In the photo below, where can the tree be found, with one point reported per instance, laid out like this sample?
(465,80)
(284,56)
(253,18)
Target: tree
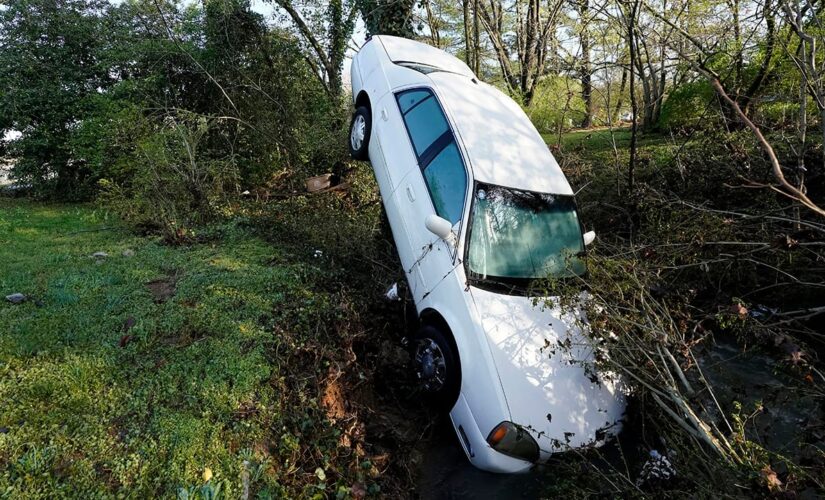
(51,54)
(388,17)
(585,67)
(327,32)
(807,28)
(534,24)
(700,58)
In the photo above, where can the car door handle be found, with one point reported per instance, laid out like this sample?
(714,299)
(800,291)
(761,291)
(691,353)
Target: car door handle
(410,193)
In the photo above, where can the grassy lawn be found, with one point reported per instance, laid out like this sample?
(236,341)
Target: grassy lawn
(596,141)
(148,371)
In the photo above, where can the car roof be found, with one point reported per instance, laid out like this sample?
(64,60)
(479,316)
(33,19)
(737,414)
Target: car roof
(402,50)
(503,146)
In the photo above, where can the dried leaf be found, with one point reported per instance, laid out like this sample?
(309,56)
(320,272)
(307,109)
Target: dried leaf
(322,476)
(786,242)
(771,479)
(739,310)
(358,490)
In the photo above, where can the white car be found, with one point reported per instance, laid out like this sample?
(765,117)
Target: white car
(479,208)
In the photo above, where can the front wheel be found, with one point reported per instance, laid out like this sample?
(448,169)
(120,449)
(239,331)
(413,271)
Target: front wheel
(435,367)
(359,134)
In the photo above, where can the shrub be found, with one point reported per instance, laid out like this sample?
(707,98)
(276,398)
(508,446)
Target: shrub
(687,107)
(557,103)
(178,184)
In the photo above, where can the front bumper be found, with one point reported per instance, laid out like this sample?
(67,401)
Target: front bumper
(475,445)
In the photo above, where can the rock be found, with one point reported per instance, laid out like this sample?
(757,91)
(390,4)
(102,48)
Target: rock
(16,298)
(100,255)
(128,253)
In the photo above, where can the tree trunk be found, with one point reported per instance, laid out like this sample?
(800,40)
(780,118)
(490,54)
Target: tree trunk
(586,67)
(435,37)
(530,56)
(620,99)
(387,17)
(764,67)
(476,40)
(631,167)
(803,128)
(468,50)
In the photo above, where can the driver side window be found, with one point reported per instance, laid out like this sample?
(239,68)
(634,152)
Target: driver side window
(436,150)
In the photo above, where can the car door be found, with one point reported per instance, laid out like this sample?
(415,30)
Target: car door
(438,185)
(390,130)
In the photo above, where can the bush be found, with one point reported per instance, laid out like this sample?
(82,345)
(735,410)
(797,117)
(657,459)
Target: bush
(178,185)
(687,107)
(779,113)
(557,103)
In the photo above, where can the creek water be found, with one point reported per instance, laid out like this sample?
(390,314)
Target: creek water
(749,378)
(445,473)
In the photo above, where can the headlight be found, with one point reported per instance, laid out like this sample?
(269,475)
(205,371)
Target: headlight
(513,440)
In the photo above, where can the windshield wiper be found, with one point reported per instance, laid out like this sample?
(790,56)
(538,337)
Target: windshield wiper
(508,286)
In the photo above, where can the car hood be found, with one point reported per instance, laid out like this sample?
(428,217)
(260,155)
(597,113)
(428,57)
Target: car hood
(542,360)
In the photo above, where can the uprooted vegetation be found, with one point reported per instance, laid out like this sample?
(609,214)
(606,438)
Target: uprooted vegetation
(261,348)
(241,345)
(706,299)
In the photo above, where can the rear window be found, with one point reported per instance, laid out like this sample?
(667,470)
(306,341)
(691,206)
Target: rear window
(421,68)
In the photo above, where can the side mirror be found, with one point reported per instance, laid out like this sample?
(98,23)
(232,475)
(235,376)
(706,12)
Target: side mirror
(589,237)
(439,226)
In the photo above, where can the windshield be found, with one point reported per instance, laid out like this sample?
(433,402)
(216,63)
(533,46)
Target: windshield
(523,235)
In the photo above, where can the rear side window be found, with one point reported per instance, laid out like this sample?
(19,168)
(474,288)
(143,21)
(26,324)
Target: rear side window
(424,118)
(409,99)
(436,151)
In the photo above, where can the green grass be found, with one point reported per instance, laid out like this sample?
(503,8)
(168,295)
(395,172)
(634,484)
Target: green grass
(598,141)
(105,389)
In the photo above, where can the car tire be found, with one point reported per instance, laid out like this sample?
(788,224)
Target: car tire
(435,367)
(360,129)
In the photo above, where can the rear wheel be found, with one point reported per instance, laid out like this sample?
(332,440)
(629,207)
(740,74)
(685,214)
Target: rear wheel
(436,368)
(360,130)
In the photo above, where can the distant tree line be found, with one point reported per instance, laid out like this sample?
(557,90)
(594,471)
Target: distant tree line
(94,87)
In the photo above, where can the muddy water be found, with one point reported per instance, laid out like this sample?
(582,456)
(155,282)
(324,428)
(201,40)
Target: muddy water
(747,377)
(756,380)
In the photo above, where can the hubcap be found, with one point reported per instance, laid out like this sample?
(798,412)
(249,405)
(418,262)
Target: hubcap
(430,366)
(358,132)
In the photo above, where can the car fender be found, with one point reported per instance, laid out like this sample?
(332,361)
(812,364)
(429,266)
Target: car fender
(355,79)
(480,383)
(370,64)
